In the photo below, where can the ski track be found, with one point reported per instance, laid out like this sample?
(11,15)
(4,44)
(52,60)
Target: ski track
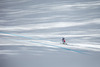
(77,51)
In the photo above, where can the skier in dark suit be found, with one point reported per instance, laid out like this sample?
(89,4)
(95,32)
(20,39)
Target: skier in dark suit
(63,40)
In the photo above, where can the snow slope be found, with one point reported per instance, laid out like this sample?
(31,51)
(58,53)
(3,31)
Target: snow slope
(31,32)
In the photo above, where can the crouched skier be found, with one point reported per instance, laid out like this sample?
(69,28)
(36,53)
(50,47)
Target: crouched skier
(64,41)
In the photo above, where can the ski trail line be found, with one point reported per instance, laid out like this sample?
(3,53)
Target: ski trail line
(77,51)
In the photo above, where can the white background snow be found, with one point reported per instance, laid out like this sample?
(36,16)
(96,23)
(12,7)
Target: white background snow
(31,32)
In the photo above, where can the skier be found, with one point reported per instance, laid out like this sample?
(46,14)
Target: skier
(63,40)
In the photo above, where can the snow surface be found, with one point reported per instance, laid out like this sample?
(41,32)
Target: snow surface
(31,33)
(41,53)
